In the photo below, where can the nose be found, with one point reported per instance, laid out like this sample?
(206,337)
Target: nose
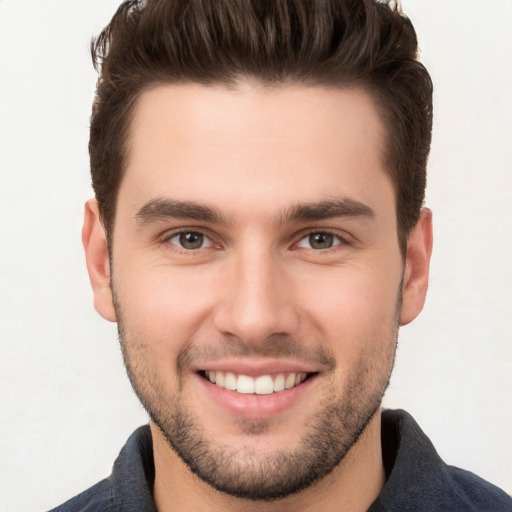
(257,299)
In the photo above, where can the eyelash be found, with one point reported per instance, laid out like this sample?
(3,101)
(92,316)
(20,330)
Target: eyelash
(341,240)
(167,237)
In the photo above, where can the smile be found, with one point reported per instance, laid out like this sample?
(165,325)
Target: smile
(261,385)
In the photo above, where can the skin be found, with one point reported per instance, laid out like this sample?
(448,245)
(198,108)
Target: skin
(256,296)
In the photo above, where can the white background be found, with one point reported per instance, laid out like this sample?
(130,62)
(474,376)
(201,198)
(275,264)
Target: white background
(66,405)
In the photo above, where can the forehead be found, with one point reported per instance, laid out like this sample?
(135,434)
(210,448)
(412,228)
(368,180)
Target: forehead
(239,146)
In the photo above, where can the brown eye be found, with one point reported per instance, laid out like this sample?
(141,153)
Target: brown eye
(190,240)
(319,241)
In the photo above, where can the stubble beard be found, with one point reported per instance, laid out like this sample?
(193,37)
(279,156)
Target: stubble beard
(245,473)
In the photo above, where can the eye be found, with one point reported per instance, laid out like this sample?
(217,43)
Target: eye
(190,240)
(320,240)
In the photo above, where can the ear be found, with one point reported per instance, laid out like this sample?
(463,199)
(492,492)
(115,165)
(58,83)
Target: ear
(417,264)
(98,265)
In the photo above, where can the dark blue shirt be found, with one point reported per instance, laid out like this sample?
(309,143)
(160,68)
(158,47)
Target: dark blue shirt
(417,479)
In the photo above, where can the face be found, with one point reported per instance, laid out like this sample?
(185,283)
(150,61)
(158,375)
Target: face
(257,278)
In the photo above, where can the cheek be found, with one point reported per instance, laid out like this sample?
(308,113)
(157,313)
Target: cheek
(354,309)
(163,306)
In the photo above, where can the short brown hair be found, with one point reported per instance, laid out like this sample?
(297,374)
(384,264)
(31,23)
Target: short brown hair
(335,43)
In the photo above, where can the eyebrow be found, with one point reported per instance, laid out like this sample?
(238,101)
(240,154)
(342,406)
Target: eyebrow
(343,207)
(164,208)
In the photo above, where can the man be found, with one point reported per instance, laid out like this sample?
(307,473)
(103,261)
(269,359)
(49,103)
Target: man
(258,234)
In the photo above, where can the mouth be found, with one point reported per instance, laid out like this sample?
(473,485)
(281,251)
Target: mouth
(266,384)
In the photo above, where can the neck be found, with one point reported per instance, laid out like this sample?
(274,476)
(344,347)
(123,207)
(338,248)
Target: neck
(352,486)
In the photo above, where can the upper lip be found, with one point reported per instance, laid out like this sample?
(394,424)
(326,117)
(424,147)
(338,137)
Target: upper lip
(254,368)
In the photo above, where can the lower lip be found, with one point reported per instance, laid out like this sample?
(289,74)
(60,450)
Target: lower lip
(254,406)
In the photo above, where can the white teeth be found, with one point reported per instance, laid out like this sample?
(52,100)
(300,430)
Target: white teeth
(230,382)
(300,377)
(262,385)
(290,381)
(279,383)
(219,379)
(245,384)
